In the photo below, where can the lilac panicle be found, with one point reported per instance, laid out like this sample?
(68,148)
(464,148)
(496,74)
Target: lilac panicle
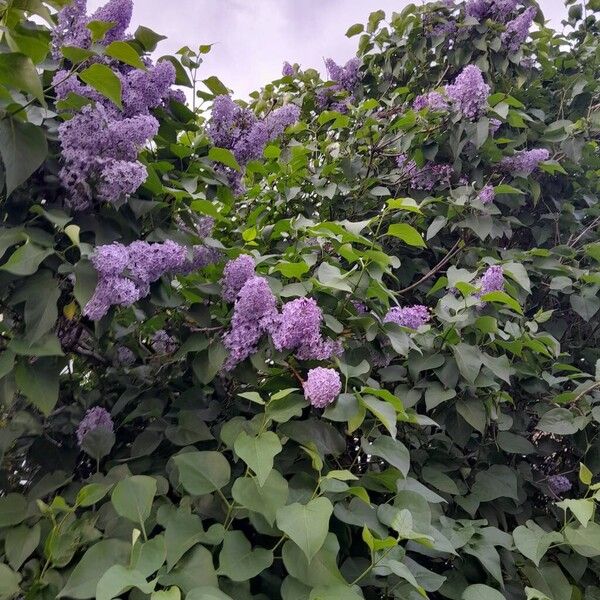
(322,386)
(411,317)
(125,357)
(426,177)
(287,70)
(235,275)
(163,343)
(254,314)
(559,484)
(499,10)
(517,30)
(118,12)
(469,92)
(298,328)
(524,162)
(487,194)
(71,28)
(95,418)
(432,101)
(492,280)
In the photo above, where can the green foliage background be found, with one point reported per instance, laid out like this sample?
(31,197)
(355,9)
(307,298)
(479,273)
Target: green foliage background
(429,475)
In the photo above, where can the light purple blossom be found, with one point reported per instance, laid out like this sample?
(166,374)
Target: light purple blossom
(125,357)
(235,275)
(469,92)
(411,317)
(492,280)
(94,419)
(524,162)
(517,30)
(487,194)
(432,101)
(495,124)
(322,386)
(426,177)
(71,28)
(347,76)
(163,343)
(360,307)
(254,314)
(499,10)
(299,329)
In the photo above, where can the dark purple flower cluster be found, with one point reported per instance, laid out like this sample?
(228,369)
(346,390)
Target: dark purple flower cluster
(517,30)
(124,356)
(100,144)
(524,162)
(94,419)
(469,92)
(432,101)
(298,328)
(426,177)
(559,484)
(498,10)
(254,314)
(412,317)
(238,129)
(341,94)
(126,272)
(322,386)
(163,343)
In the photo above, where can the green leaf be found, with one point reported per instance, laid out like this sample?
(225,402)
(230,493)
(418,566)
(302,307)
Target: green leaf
(91,493)
(582,508)
(95,562)
(183,531)
(585,475)
(99,29)
(216,86)
(207,593)
(533,542)
(172,593)
(104,81)
(202,472)
(499,481)
(147,38)
(20,544)
(9,582)
(75,54)
(125,53)
(355,30)
(258,452)
(13,509)
(306,525)
(39,382)
(503,298)
(132,497)
(479,591)
(17,71)
(407,233)
(586,306)
(224,156)
(559,421)
(41,311)
(194,570)
(23,148)
(336,592)
(26,259)
(391,450)
(384,411)
(119,579)
(469,361)
(266,499)
(239,561)
(473,412)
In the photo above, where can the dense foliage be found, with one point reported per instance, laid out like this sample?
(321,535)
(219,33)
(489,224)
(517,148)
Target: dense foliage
(337,343)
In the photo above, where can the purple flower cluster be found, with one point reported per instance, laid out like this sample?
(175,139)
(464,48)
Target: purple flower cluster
(559,484)
(345,79)
(495,124)
(426,177)
(322,386)
(524,162)
(100,144)
(432,101)
(254,314)
(517,30)
(499,10)
(287,70)
(235,275)
(299,328)
(126,272)
(238,129)
(487,194)
(491,281)
(94,419)
(469,92)
(163,343)
(412,317)
(125,357)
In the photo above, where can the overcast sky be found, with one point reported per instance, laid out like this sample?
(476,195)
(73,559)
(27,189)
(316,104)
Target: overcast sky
(253,37)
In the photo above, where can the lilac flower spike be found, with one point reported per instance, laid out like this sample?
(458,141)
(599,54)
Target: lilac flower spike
(412,317)
(487,194)
(322,386)
(118,12)
(95,418)
(432,101)
(426,177)
(469,92)
(559,484)
(492,280)
(287,69)
(163,343)
(524,162)
(517,30)
(235,275)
